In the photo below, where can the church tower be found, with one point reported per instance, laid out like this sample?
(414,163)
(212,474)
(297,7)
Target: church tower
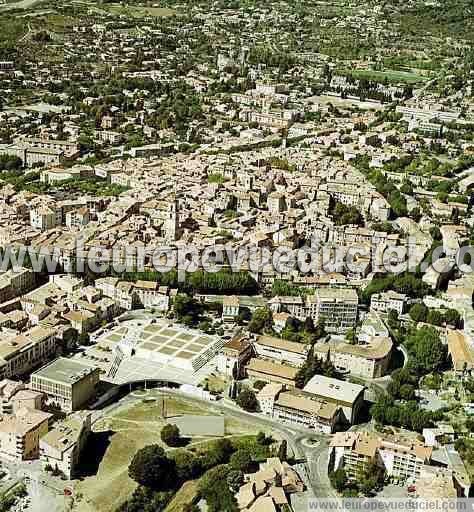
(171,227)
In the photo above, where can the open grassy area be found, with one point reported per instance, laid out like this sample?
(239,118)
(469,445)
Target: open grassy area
(185,495)
(57,22)
(393,77)
(136,11)
(121,434)
(153,411)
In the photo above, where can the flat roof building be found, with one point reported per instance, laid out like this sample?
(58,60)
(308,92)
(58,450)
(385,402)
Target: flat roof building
(345,394)
(67,383)
(21,353)
(401,458)
(20,434)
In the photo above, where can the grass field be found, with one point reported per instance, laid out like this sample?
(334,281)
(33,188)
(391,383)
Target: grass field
(185,495)
(120,435)
(136,11)
(392,76)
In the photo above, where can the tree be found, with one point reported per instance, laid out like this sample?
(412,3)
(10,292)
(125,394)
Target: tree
(407,392)
(84,339)
(235,371)
(435,233)
(435,317)
(351,336)
(343,214)
(452,317)
(311,367)
(152,468)
(261,321)
(191,507)
(247,400)
(219,453)
(213,487)
(418,313)
(170,435)
(338,479)
(309,325)
(427,352)
(241,460)
(393,320)
(283,450)
(259,385)
(186,309)
(145,499)
(235,479)
(370,478)
(187,464)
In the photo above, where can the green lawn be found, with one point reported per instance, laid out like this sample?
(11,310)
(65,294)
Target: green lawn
(136,11)
(392,76)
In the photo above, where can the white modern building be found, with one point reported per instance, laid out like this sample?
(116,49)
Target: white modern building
(349,396)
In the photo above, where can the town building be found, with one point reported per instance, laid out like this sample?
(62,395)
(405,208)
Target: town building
(402,459)
(61,448)
(233,355)
(461,351)
(268,371)
(269,489)
(20,434)
(44,218)
(299,408)
(388,301)
(336,307)
(368,360)
(349,396)
(14,396)
(24,352)
(230,308)
(278,349)
(67,383)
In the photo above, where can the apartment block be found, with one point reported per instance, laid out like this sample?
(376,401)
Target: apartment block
(386,301)
(24,352)
(402,459)
(20,434)
(299,408)
(337,307)
(45,217)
